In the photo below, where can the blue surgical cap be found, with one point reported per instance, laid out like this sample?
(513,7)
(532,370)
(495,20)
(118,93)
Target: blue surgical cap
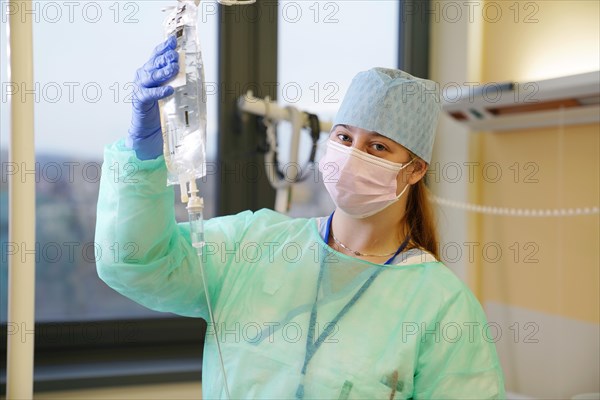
(394,104)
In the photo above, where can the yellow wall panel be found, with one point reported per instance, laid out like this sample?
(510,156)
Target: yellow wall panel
(547,264)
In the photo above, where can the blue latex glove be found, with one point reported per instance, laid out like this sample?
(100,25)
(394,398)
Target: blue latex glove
(145,135)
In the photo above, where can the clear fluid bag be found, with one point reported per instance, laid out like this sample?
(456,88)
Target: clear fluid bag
(183,114)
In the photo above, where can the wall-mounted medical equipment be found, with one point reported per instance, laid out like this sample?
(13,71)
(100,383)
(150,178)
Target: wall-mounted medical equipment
(272,114)
(520,105)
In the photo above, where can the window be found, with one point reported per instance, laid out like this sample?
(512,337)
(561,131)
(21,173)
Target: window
(85,55)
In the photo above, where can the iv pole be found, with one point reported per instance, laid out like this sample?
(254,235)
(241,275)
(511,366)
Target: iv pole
(274,113)
(21,275)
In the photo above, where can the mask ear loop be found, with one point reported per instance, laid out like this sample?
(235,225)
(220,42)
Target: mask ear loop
(402,192)
(408,163)
(408,184)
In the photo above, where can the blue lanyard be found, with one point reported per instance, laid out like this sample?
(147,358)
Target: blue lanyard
(311,345)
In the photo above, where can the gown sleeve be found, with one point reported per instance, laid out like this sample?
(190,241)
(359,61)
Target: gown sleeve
(457,355)
(141,251)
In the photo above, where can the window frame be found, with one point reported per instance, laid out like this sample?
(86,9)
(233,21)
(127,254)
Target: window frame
(76,355)
(414,38)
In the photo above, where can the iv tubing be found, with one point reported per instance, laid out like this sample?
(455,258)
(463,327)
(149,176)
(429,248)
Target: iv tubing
(21,276)
(213,323)
(195,207)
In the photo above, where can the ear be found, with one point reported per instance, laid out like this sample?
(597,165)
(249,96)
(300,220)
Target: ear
(416,171)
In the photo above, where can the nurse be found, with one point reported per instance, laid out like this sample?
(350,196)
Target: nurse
(354,305)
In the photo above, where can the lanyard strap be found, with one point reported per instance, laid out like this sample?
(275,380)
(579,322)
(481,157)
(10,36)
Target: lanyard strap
(311,345)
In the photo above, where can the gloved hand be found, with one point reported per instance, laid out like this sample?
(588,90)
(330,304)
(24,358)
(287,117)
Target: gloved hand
(145,135)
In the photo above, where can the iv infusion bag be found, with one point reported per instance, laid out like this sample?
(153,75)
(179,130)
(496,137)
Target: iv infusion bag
(183,114)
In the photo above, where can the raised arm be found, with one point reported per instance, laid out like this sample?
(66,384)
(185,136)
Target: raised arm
(142,252)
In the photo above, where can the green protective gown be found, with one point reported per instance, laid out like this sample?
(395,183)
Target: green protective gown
(417,332)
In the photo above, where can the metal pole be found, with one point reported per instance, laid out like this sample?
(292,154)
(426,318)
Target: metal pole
(21,187)
(257,106)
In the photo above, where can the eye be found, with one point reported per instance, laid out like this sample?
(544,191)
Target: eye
(378,147)
(343,137)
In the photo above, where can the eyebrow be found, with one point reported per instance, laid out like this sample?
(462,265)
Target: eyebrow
(379,135)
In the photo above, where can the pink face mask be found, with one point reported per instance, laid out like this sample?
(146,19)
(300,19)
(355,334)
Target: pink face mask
(359,183)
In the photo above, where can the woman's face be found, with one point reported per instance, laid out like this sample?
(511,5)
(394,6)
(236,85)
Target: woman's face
(370,142)
(380,146)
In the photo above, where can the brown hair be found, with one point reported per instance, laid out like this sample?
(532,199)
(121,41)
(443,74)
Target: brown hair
(419,218)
